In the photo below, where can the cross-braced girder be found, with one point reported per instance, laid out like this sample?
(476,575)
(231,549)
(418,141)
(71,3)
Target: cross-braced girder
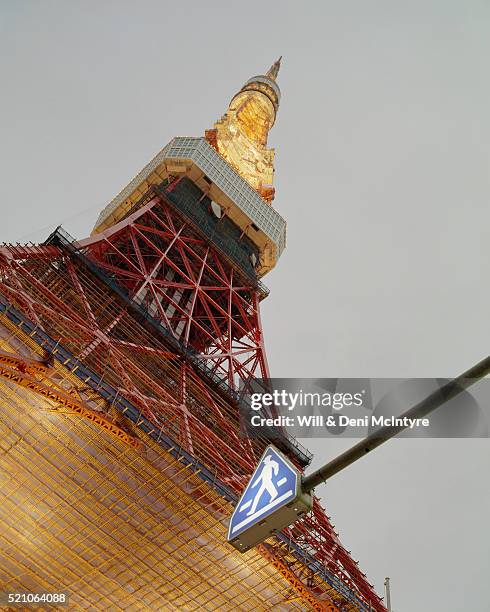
(182,280)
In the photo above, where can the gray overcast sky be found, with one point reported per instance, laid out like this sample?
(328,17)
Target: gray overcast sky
(382,144)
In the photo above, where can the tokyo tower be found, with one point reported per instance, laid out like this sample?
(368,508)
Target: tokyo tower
(121,359)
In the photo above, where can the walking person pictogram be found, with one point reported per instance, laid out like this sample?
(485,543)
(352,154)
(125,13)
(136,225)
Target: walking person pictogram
(270,468)
(274,484)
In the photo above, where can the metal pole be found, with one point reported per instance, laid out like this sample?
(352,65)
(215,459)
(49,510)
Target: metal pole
(388,594)
(420,410)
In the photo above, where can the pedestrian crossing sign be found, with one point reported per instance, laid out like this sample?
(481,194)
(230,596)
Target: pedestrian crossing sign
(271,501)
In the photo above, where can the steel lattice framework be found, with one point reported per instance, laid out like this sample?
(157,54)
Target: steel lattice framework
(162,327)
(159,257)
(123,358)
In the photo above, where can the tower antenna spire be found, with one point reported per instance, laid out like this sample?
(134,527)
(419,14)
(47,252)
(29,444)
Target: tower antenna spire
(274,69)
(240,136)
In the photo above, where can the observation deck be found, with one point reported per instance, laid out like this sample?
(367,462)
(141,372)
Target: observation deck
(233,197)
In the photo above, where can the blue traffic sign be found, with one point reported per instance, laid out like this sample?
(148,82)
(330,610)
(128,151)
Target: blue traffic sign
(274,484)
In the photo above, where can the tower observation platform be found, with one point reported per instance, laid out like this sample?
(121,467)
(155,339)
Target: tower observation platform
(122,356)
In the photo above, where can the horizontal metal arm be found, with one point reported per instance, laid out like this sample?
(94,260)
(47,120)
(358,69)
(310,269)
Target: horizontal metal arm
(420,410)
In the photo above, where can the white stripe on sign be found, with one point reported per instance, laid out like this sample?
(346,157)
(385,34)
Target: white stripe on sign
(282,481)
(246,504)
(262,511)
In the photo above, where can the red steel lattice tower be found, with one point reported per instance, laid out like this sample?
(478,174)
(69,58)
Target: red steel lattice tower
(157,316)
